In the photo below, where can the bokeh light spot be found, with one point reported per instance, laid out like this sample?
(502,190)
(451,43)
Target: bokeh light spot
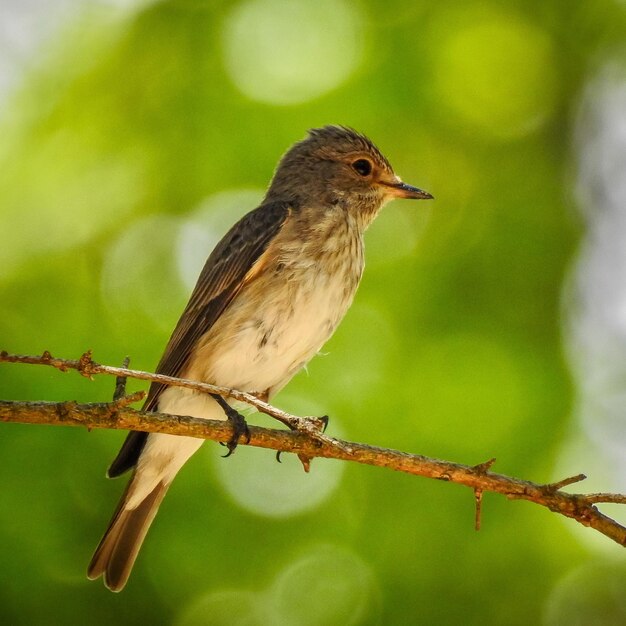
(396,234)
(139,273)
(257,483)
(283,52)
(591,594)
(207,225)
(224,608)
(67,208)
(364,353)
(325,586)
(330,585)
(496,73)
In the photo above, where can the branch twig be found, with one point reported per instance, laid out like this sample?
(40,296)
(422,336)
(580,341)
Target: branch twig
(117,414)
(87,367)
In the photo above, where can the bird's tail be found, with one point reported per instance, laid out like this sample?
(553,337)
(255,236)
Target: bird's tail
(116,553)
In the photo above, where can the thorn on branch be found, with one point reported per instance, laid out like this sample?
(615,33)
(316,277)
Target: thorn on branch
(131,398)
(48,359)
(483,468)
(86,365)
(478,496)
(306,462)
(552,487)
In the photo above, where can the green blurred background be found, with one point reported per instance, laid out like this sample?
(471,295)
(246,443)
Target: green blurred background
(490,322)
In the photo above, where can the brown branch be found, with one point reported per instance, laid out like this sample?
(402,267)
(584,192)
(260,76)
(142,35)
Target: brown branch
(88,367)
(116,414)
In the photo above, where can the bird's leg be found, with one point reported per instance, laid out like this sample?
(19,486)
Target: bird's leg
(238,422)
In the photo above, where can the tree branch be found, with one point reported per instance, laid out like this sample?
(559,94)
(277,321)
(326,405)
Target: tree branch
(306,441)
(88,367)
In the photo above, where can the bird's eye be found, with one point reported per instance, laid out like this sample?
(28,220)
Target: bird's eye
(362,167)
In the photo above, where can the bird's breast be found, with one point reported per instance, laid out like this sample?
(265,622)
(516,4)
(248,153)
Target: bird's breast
(283,316)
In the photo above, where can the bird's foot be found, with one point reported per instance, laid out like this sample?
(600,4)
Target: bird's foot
(237,421)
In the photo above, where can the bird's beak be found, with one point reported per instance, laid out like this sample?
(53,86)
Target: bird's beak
(398,189)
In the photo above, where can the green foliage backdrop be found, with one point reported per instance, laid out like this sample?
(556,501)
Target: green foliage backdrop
(141,132)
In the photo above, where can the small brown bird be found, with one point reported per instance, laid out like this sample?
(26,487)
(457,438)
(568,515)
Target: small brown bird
(270,295)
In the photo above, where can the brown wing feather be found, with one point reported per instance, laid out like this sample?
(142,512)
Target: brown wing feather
(219,282)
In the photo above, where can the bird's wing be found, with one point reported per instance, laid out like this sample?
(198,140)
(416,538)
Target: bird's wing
(233,259)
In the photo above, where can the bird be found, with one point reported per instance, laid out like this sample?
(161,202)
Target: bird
(270,295)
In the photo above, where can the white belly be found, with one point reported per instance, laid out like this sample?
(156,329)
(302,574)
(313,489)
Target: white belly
(278,333)
(286,312)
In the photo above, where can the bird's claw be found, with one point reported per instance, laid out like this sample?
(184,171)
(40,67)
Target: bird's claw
(240,429)
(239,424)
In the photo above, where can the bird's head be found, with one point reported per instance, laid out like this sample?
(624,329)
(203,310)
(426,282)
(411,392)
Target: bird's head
(337,165)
